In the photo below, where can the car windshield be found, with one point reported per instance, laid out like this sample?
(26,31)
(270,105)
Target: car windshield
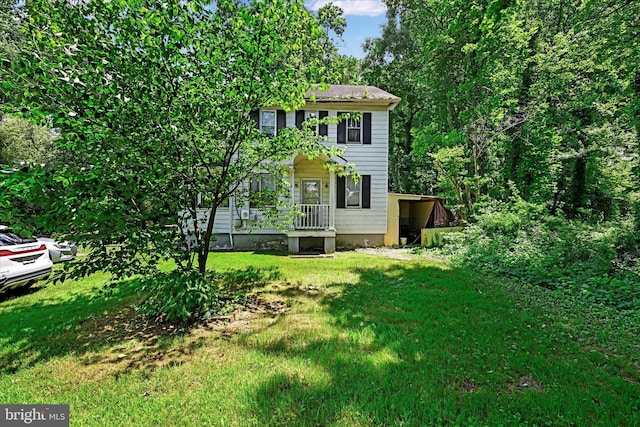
(10,238)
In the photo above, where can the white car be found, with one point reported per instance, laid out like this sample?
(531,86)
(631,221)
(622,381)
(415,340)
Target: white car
(22,261)
(59,252)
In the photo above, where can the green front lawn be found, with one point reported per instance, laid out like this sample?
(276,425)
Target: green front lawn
(354,340)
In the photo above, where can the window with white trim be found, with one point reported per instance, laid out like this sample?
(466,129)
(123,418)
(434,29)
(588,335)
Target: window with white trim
(206,200)
(354,131)
(352,193)
(268,122)
(312,115)
(263,190)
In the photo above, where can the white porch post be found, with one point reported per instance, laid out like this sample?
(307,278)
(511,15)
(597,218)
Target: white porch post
(332,200)
(292,179)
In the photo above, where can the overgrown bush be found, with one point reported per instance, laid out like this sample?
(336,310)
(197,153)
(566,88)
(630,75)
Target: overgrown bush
(180,297)
(521,240)
(188,297)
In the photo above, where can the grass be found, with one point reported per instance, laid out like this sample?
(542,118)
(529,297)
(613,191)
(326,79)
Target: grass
(349,341)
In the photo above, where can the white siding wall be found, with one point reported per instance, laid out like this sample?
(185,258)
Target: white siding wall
(221,222)
(370,159)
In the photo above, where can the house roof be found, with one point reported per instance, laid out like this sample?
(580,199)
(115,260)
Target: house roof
(351,93)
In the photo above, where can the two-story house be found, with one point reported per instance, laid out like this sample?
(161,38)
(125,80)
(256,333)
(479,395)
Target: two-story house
(337,211)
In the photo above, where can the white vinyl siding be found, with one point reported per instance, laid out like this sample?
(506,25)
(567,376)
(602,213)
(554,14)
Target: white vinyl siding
(370,159)
(221,222)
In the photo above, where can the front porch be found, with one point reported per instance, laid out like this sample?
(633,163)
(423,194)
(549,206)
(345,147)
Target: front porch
(313,192)
(296,237)
(314,217)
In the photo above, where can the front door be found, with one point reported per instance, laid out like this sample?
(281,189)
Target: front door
(311,199)
(311,194)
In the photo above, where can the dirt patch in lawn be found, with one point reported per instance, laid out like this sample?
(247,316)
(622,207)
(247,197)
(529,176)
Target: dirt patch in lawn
(394,253)
(122,341)
(526,383)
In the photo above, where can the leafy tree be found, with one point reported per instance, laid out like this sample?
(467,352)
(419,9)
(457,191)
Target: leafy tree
(445,60)
(337,68)
(394,62)
(331,18)
(575,151)
(20,141)
(11,16)
(154,100)
(540,94)
(24,142)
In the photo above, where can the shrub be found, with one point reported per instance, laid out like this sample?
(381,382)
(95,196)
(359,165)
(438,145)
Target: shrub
(600,262)
(188,297)
(180,297)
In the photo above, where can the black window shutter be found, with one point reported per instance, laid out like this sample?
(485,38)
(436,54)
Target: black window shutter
(340,202)
(282,119)
(299,118)
(255,116)
(366,128)
(342,130)
(323,130)
(366,191)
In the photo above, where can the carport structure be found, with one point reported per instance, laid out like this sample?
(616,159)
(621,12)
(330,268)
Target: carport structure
(409,214)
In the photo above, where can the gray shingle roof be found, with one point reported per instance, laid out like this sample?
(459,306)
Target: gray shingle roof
(352,93)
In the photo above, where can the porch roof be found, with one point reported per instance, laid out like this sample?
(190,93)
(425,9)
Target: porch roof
(339,160)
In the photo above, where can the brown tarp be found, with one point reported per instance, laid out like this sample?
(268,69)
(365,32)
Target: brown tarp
(440,216)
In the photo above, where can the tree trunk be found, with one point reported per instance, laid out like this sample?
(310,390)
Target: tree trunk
(203,252)
(578,187)
(636,119)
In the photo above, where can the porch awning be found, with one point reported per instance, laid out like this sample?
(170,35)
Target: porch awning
(340,161)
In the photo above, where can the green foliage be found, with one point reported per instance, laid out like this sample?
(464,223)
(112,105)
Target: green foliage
(153,102)
(180,297)
(334,68)
(24,142)
(544,95)
(331,18)
(598,262)
(538,99)
(189,297)
(12,14)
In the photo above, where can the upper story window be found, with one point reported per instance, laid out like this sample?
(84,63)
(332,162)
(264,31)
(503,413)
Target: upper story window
(353,131)
(268,122)
(303,116)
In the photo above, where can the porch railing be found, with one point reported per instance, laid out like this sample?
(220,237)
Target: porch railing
(314,217)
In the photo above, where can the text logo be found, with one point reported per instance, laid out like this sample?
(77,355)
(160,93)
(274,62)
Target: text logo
(34,415)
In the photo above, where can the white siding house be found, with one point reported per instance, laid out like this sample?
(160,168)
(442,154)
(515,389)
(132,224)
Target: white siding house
(338,212)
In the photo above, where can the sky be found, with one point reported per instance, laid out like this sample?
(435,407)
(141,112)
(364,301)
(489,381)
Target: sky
(364,18)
